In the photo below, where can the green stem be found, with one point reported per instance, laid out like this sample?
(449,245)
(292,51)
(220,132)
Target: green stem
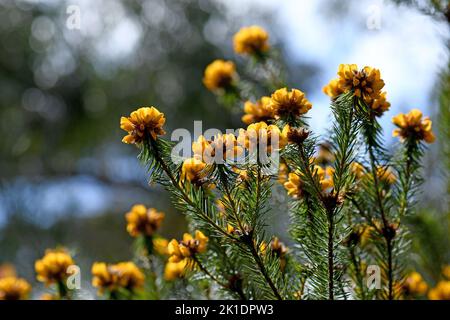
(62,290)
(330,257)
(224,180)
(263,270)
(205,271)
(384,219)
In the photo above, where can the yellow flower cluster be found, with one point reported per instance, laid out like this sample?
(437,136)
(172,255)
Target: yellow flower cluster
(295,185)
(187,247)
(52,268)
(386,175)
(13,288)
(379,104)
(259,111)
(207,150)
(141,124)
(440,292)
(251,40)
(111,277)
(357,169)
(219,75)
(193,170)
(414,285)
(143,221)
(364,234)
(333,89)
(289,103)
(261,135)
(411,125)
(365,83)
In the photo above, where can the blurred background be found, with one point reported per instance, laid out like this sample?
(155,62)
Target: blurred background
(66,178)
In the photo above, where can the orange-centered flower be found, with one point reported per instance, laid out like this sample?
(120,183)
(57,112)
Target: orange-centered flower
(260,135)
(193,170)
(412,126)
(219,74)
(259,111)
(141,124)
(414,285)
(365,83)
(112,277)
(12,288)
(289,103)
(143,221)
(379,104)
(333,89)
(295,185)
(251,40)
(53,266)
(187,247)
(224,146)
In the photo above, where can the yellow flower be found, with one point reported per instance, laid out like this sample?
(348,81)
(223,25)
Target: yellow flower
(220,207)
(242,174)
(174,270)
(283,173)
(414,285)
(7,270)
(48,297)
(142,123)
(111,277)
(219,75)
(357,169)
(262,247)
(379,104)
(193,170)
(365,83)
(187,247)
(285,103)
(386,175)
(325,177)
(160,246)
(53,266)
(278,247)
(12,288)
(251,40)
(225,146)
(411,125)
(440,292)
(230,229)
(333,89)
(365,234)
(294,185)
(446,272)
(143,221)
(279,250)
(261,135)
(259,111)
